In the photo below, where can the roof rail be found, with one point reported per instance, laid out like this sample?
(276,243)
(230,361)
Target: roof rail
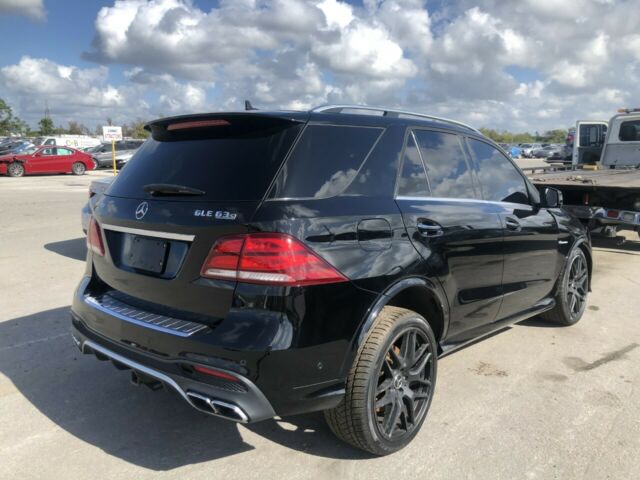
(387,112)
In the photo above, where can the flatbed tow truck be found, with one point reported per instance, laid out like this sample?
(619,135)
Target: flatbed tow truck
(602,186)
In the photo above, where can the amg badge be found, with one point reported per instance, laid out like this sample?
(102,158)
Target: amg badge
(219,214)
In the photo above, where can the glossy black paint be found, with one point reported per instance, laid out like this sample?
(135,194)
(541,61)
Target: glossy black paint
(468,265)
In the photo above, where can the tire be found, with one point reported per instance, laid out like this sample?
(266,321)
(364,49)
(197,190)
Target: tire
(15,169)
(376,414)
(78,168)
(573,289)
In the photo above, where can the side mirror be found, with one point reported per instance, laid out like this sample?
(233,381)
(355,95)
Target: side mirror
(552,197)
(38,155)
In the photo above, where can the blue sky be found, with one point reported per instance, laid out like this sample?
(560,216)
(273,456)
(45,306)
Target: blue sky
(495,64)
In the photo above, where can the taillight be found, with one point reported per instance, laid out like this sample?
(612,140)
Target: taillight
(268,258)
(94,238)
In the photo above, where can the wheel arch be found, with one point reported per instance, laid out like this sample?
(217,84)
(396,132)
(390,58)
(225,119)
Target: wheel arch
(583,245)
(419,294)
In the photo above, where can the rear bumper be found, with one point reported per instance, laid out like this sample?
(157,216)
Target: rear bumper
(239,401)
(285,378)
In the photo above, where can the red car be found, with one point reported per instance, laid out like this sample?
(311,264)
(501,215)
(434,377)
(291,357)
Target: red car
(46,159)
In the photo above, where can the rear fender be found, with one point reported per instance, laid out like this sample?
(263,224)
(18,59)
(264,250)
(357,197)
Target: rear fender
(430,288)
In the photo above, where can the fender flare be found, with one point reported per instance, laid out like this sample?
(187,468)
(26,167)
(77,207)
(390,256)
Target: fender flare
(383,299)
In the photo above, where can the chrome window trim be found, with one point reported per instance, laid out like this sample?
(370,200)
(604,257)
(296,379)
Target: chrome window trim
(519,206)
(149,233)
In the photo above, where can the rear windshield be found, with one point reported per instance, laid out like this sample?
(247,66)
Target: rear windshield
(230,163)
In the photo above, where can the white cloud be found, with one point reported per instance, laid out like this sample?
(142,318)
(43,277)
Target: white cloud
(74,93)
(33,9)
(527,65)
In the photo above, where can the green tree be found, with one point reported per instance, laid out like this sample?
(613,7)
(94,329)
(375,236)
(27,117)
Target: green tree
(76,128)
(8,122)
(135,129)
(46,126)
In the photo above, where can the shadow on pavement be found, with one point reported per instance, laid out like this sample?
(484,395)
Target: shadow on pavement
(75,249)
(96,403)
(619,243)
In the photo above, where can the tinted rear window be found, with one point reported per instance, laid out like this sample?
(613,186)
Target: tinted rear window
(233,163)
(324,161)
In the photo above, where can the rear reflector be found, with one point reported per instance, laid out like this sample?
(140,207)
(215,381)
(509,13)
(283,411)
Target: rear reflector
(613,213)
(94,238)
(268,258)
(214,373)
(197,124)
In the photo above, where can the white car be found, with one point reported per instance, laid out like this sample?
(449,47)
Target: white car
(75,141)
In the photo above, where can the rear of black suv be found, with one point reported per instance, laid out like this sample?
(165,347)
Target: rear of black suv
(274,263)
(202,275)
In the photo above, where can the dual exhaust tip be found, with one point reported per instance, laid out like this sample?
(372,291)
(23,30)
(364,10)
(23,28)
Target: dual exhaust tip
(216,407)
(155,380)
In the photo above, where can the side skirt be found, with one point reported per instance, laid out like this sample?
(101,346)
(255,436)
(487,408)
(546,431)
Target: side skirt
(451,345)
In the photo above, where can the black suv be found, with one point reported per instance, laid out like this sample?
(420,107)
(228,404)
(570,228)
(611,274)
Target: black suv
(275,263)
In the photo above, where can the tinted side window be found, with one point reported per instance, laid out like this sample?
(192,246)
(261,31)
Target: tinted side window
(413,179)
(630,131)
(51,141)
(447,170)
(499,180)
(324,161)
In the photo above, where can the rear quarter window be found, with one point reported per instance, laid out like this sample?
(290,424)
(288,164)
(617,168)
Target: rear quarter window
(324,161)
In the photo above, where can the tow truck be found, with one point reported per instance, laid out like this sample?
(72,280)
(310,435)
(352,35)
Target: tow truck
(602,184)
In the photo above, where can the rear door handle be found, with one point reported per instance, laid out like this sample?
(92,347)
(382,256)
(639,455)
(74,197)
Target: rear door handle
(429,229)
(513,224)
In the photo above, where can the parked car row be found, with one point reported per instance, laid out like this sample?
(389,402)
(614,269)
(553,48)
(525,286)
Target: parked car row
(103,156)
(23,156)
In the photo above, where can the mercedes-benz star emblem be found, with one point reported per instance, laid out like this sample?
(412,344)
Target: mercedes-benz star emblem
(141,210)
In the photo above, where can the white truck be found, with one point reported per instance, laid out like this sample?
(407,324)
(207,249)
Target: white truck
(602,186)
(75,141)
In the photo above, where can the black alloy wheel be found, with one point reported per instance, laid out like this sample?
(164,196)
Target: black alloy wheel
(577,286)
(404,385)
(390,386)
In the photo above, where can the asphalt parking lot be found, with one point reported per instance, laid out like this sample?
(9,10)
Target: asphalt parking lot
(533,401)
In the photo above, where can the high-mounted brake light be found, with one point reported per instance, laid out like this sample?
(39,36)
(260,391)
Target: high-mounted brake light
(94,238)
(268,258)
(197,124)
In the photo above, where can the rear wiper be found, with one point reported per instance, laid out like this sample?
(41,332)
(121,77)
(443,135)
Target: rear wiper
(158,189)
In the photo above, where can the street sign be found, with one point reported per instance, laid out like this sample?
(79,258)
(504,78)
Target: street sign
(111,133)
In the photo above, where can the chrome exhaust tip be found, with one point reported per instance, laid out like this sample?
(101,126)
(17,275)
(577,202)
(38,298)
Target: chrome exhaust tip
(217,407)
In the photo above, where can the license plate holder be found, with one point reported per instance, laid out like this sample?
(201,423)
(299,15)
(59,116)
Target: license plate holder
(145,253)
